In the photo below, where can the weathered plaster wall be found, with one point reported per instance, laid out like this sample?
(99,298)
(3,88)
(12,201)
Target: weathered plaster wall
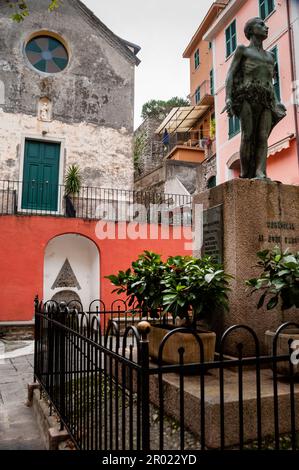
(96,86)
(158,179)
(104,154)
(92,99)
(184,171)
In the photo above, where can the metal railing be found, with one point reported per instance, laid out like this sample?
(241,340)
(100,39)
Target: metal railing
(100,382)
(43,198)
(193,139)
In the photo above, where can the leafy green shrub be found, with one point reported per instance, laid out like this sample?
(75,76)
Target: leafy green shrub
(194,287)
(279,279)
(185,287)
(142,283)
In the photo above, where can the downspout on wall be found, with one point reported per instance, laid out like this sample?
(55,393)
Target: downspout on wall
(293,75)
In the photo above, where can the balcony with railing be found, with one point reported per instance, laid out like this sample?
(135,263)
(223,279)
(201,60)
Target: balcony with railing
(92,203)
(190,146)
(182,134)
(204,95)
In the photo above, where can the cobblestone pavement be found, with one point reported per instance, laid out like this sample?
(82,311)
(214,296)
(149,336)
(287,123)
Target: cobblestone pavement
(18,429)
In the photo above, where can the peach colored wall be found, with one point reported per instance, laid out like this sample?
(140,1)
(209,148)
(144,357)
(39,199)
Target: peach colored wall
(279,166)
(278,36)
(202,73)
(23,241)
(186,154)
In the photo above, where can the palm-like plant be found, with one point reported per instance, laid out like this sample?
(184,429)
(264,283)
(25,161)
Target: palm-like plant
(73,180)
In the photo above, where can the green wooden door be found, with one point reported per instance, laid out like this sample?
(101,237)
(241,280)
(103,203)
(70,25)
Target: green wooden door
(41,176)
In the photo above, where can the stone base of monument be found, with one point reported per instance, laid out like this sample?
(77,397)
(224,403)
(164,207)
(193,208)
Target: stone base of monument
(241,218)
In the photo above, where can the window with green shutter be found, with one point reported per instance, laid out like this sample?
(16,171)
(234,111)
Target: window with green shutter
(212,82)
(197,95)
(276,74)
(233,126)
(266,7)
(196,59)
(231,38)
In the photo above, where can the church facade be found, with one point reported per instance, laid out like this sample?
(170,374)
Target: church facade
(67,97)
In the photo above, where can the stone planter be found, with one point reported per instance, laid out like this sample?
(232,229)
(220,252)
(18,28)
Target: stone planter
(179,340)
(283,367)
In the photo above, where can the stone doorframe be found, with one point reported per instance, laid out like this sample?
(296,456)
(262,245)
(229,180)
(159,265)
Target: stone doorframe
(42,138)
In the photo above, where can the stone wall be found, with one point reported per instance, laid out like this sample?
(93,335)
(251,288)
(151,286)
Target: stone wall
(206,171)
(152,153)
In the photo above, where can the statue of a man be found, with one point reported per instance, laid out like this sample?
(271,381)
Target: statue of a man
(251,97)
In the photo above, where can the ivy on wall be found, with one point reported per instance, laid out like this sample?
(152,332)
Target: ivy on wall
(139,147)
(21,9)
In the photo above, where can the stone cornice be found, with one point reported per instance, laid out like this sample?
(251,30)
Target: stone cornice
(105,32)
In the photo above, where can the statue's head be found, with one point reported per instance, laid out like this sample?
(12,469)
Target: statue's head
(256,27)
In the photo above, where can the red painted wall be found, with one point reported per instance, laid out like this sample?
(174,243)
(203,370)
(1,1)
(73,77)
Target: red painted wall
(23,240)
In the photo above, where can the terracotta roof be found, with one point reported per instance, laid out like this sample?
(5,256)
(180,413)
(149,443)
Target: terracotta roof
(212,13)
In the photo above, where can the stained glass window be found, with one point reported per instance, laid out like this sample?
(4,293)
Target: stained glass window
(47,54)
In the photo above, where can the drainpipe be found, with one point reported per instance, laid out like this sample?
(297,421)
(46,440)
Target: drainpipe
(293,75)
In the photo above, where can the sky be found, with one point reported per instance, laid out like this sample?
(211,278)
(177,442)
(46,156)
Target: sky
(163,29)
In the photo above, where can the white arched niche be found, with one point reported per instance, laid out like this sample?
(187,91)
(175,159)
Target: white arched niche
(72,263)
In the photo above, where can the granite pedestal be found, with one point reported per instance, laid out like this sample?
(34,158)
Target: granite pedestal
(256,215)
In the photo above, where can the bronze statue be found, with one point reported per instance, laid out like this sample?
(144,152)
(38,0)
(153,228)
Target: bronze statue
(251,97)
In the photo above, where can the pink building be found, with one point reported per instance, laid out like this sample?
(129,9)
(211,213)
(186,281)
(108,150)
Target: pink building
(226,33)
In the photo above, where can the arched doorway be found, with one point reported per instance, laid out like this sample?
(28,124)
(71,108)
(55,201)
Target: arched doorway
(71,270)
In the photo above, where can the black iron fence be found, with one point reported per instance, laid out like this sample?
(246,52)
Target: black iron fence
(43,198)
(100,380)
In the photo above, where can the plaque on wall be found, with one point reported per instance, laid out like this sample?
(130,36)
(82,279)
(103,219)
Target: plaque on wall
(213,233)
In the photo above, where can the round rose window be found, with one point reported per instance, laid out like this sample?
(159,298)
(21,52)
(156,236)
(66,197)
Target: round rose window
(47,54)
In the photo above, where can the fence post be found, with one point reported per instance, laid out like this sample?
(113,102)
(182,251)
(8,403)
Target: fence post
(144,328)
(36,326)
(52,310)
(62,313)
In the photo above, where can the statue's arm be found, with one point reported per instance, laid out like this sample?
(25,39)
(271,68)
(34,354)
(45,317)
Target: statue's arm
(235,65)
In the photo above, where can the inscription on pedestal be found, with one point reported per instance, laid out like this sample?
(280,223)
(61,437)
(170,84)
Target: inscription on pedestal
(213,233)
(280,232)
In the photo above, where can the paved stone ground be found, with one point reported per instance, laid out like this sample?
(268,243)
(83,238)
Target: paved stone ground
(18,429)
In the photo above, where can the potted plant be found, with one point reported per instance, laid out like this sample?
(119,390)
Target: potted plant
(142,283)
(194,288)
(73,183)
(278,283)
(187,288)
